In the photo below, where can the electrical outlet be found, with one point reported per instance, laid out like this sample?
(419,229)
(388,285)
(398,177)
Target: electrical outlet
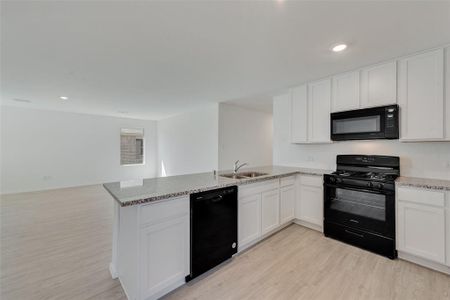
(46,177)
(310,158)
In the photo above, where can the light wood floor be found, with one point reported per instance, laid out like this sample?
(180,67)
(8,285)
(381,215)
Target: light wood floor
(57,245)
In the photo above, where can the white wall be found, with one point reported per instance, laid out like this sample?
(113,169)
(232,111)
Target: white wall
(244,134)
(424,159)
(47,149)
(188,143)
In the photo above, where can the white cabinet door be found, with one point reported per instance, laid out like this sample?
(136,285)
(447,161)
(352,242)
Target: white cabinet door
(299,114)
(319,102)
(345,91)
(421,231)
(421,96)
(164,253)
(270,214)
(287,203)
(310,205)
(447,93)
(448,228)
(379,85)
(249,219)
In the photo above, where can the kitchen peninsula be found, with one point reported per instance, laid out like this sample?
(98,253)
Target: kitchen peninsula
(151,235)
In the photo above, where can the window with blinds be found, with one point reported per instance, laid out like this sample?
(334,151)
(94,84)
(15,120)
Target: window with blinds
(131,146)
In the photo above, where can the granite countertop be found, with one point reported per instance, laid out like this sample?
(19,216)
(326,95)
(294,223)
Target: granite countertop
(160,188)
(425,183)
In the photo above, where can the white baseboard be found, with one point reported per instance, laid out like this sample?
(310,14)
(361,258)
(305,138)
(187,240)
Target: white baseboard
(124,290)
(308,225)
(166,290)
(281,227)
(263,237)
(113,271)
(424,262)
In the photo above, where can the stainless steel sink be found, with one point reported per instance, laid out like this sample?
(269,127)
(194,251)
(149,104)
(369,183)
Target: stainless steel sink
(243,175)
(233,176)
(251,174)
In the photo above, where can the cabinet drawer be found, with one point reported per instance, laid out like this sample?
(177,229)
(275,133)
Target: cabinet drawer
(311,180)
(287,181)
(259,187)
(421,196)
(155,212)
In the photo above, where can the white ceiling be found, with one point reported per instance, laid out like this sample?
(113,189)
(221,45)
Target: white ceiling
(156,59)
(263,103)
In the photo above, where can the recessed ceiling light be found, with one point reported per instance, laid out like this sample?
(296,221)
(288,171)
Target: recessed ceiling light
(22,100)
(63,97)
(339,47)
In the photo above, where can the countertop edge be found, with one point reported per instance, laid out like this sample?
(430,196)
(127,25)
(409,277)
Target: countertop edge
(187,192)
(424,183)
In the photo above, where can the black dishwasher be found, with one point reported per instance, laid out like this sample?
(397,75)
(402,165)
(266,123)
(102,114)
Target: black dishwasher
(213,229)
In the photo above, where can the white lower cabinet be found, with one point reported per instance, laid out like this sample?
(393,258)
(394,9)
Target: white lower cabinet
(270,214)
(153,245)
(287,203)
(165,256)
(421,231)
(309,204)
(447,212)
(262,209)
(423,223)
(249,219)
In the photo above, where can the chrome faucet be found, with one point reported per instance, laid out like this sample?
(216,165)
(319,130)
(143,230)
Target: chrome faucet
(237,167)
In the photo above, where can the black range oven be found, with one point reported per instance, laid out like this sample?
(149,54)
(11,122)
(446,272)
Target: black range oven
(365,124)
(359,202)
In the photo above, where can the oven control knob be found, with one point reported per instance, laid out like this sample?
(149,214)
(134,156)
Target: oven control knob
(370,184)
(380,186)
(338,180)
(332,179)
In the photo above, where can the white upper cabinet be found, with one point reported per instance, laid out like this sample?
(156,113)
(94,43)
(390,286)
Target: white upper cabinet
(319,102)
(310,112)
(299,114)
(415,82)
(447,94)
(345,92)
(421,96)
(379,85)
(372,86)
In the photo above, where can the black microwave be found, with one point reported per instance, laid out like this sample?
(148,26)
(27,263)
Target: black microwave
(365,124)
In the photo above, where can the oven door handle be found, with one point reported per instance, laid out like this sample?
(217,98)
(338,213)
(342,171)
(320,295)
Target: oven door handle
(359,190)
